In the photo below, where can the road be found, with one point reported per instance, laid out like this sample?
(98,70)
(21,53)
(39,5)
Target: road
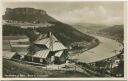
(106,49)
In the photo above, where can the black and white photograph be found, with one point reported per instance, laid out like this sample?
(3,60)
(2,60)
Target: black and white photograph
(63,39)
(62,80)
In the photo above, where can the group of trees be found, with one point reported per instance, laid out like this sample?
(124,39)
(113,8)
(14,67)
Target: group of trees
(15,31)
(12,30)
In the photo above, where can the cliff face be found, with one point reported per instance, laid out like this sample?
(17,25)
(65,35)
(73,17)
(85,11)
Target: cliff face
(25,11)
(27,15)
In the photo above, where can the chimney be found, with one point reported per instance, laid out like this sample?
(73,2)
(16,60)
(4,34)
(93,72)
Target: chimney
(51,41)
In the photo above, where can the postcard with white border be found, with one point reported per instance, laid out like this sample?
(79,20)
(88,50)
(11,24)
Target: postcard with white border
(63,39)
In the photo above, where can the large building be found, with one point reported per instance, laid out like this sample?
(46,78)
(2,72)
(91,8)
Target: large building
(47,50)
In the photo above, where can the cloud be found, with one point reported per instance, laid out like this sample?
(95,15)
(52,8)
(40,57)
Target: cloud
(98,14)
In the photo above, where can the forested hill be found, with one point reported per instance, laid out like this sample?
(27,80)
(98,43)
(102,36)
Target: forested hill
(115,32)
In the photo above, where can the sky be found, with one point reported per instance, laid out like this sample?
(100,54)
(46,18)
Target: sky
(108,13)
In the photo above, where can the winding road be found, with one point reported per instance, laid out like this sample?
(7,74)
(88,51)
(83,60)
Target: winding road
(106,49)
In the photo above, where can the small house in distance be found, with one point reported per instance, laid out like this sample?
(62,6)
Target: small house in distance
(48,50)
(9,55)
(13,55)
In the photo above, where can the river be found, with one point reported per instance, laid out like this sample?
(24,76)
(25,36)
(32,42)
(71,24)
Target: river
(106,49)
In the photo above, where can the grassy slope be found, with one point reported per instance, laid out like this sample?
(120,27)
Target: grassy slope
(14,68)
(11,67)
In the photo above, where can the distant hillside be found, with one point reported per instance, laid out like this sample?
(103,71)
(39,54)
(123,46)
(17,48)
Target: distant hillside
(27,15)
(88,27)
(115,32)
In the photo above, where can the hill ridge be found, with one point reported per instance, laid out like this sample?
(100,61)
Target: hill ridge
(27,14)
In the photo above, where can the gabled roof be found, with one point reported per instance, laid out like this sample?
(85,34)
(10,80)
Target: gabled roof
(45,41)
(8,54)
(58,46)
(59,53)
(54,38)
(54,47)
(41,54)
